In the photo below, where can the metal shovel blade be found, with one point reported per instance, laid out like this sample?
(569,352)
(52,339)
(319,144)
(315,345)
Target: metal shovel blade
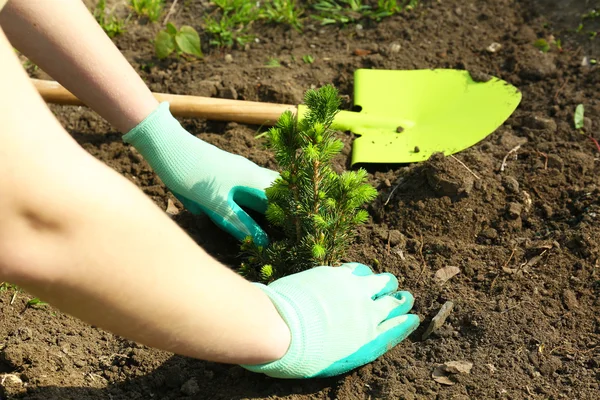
(406,116)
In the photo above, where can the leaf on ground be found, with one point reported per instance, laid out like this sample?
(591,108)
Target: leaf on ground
(578,118)
(458,367)
(444,274)
(439,319)
(164,44)
(440,376)
(188,41)
(172,208)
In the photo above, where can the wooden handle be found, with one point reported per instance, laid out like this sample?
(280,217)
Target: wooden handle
(246,112)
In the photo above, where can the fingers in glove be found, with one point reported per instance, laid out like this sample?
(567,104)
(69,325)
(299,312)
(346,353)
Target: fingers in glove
(394,305)
(358,269)
(251,198)
(394,330)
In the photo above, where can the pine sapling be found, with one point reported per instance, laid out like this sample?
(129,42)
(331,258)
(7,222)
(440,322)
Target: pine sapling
(315,208)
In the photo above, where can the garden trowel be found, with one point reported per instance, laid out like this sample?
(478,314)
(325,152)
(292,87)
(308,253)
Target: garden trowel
(405,116)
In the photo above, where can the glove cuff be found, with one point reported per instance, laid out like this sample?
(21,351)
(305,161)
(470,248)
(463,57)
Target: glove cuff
(161,140)
(156,129)
(299,355)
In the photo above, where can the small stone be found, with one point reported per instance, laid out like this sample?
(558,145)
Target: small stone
(570,300)
(190,388)
(387,182)
(514,210)
(494,47)
(458,367)
(555,162)
(540,123)
(228,58)
(489,233)
(396,238)
(510,184)
(171,208)
(228,93)
(547,210)
(395,48)
(80,363)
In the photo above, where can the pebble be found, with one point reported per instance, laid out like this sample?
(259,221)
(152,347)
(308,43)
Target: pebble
(489,233)
(494,47)
(514,210)
(228,58)
(395,48)
(510,184)
(541,123)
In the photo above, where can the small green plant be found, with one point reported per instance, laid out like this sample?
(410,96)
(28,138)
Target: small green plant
(273,63)
(4,286)
(151,9)
(285,12)
(542,45)
(591,15)
(578,118)
(36,302)
(230,23)
(109,22)
(308,59)
(579,123)
(183,41)
(314,208)
(349,11)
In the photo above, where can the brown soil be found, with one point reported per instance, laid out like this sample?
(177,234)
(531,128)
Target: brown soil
(526,239)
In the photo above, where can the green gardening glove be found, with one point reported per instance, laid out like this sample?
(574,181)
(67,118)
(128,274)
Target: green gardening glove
(204,178)
(340,318)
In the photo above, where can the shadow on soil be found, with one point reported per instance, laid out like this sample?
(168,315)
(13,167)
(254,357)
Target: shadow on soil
(172,381)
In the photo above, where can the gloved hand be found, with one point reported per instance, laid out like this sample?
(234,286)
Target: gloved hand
(340,318)
(203,177)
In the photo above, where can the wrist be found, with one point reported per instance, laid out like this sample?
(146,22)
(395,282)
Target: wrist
(276,337)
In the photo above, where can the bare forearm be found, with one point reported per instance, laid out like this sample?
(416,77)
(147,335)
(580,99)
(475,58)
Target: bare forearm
(79,235)
(62,37)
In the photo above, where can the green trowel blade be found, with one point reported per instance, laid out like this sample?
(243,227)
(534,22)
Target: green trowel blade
(406,116)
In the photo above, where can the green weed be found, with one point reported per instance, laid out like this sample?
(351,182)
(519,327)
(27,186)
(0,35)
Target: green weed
(348,11)
(109,22)
(151,9)
(183,41)
(36,302)
(542,45)
(273,63)
(308,59)
(578,117)
(4,286)
(233,23)
(285,12)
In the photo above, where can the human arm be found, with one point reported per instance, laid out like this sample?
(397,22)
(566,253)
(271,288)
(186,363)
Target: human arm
(68,44)
(80,236)
(64,39)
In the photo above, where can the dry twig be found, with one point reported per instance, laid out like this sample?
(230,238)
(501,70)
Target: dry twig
(513,150)
(400,182)
(171,9)
(468,169)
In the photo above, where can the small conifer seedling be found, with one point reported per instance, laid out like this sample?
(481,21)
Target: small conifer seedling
(315,208)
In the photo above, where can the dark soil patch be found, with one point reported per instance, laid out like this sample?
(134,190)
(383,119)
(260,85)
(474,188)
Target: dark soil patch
(527,239)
